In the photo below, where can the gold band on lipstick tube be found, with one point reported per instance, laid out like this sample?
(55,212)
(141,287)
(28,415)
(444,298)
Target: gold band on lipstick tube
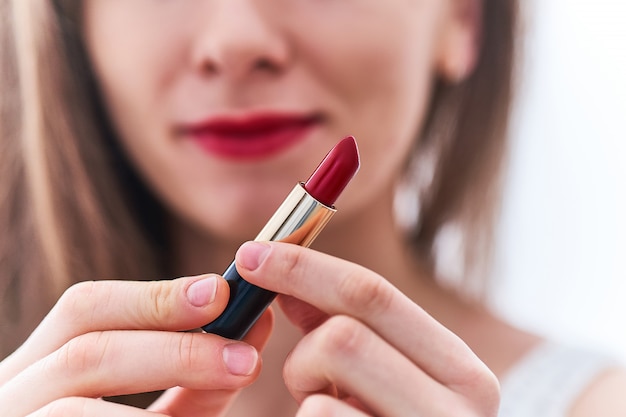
(299,219)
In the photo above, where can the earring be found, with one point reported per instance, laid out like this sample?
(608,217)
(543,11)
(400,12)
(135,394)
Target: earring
(406,205)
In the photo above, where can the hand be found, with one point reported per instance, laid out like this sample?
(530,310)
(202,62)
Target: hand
(368,349)
(110,338)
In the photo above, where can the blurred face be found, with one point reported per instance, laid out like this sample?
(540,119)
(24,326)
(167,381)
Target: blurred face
(224,105)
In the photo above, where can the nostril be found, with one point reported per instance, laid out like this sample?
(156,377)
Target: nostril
(209,67)
(265,65)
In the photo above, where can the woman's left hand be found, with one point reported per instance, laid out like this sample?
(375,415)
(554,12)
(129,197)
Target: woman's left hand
(368,349)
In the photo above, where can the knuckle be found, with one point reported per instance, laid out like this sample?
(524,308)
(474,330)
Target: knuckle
(187,351)
(342,335)
(159,303)
(85,352)
(477,376)
(489,393)
(76,300)
(291,264)
(363,293)
(478,383)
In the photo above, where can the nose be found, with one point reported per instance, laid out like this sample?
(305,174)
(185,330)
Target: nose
(240,39)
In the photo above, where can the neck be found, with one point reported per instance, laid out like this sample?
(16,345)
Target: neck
(371,239)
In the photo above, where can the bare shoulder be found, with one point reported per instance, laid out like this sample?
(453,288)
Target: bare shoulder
(604,397)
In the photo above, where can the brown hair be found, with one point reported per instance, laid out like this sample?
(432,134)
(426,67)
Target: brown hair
(70,202)
(465,139)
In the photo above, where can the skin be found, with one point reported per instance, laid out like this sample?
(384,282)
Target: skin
(162,63)
(156,76)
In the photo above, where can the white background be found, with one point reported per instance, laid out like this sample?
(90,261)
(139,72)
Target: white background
(561,261)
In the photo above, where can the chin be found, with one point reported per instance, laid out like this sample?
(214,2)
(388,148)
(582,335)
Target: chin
(236,230)
(238,224)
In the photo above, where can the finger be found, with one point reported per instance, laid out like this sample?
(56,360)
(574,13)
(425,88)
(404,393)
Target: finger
(190,402)
(83,407)
(301,314)
(336,287)
(180,304)
(345,353)
(324,405)
(114,363)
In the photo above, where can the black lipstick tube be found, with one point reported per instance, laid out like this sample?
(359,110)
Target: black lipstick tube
(298,220)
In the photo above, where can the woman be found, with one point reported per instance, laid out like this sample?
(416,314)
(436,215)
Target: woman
(107,107)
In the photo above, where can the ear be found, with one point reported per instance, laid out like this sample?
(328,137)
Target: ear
(460,40)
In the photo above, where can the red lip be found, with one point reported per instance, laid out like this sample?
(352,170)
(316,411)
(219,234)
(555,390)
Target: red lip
(251,136)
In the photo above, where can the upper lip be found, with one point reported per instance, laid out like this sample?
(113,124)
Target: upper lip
(249,123)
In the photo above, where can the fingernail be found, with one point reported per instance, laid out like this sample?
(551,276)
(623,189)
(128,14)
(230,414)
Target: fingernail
(240,359)
(252,254)
(202,292)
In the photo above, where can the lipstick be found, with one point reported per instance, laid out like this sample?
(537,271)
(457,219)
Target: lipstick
(299,219)
(252,136)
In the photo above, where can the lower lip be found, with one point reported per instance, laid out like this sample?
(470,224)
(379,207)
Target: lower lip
(253,145)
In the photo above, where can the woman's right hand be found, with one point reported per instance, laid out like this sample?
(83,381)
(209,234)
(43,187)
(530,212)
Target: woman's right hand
(107,338)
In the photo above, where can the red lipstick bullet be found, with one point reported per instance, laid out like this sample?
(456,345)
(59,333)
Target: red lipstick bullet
(334,172)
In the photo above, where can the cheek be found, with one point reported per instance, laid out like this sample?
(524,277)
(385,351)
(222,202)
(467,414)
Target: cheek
(377,53)
(379,73)
(136,62)
(133,60)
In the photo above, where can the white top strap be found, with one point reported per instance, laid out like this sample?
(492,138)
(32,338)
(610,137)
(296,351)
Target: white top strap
(548,380)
